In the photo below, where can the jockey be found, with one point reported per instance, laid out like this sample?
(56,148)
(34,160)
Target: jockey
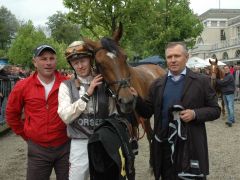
(83,105)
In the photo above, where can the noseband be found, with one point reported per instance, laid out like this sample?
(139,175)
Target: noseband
(122,83)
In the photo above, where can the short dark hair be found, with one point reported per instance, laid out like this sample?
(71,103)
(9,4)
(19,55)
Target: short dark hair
(173,44)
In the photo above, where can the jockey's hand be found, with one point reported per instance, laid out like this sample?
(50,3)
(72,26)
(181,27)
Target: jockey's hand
(133,91)
(97,80)
(187,115)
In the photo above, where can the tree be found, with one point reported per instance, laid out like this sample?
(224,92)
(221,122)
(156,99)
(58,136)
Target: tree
(8,27)
(148,24)
(176,22)
(62,30)
(27,39)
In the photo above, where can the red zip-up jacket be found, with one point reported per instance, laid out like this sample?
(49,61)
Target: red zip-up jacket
(41,123)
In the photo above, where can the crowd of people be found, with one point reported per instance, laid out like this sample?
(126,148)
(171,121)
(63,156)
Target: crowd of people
(56,113)
(229,86)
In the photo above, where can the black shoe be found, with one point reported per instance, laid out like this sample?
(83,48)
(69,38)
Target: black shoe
(229,124)
(134,145)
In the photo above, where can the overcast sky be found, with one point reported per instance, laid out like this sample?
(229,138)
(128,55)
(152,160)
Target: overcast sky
(39,10)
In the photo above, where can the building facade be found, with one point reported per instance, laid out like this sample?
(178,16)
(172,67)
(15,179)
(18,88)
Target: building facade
(220,37)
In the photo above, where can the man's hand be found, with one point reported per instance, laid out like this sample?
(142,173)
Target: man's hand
(133,91)
(187,115)
(97,80)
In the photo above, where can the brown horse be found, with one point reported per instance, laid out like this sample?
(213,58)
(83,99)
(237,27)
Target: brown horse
(111,62)
(216,73)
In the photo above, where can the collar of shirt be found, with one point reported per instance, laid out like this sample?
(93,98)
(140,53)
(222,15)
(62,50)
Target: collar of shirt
(86,80)
(177,77)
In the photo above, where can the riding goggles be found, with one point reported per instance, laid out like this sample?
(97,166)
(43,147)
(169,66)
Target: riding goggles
(76,52)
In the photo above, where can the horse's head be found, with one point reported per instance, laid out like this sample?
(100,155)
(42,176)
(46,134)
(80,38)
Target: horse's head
(213,69)
(110,61)
(215,72)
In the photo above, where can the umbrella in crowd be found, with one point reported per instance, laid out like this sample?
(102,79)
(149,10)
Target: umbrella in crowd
(196,62)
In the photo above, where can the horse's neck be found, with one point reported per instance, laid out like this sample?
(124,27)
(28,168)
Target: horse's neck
(132,72)
(134,75)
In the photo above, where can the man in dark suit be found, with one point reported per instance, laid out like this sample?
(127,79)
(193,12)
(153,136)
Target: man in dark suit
(185,156)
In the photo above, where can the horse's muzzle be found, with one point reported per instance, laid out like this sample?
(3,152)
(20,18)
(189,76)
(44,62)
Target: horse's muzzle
(127,105)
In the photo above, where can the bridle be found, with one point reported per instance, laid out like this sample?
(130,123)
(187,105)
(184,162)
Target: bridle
(213,71)
(122,83)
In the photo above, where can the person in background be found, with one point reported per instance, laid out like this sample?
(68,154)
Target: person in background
(187,156)
(236,76)
(36,99)
(227,87)
(1,100)
(231,70)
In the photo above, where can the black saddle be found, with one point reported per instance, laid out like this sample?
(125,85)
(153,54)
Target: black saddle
(110,154)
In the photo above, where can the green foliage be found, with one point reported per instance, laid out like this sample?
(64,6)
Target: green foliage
(2,53)
(27,39)
(8,27)
(148,24)
(62,30)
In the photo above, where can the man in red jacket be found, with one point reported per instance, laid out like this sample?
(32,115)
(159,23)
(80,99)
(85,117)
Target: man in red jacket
(36,97)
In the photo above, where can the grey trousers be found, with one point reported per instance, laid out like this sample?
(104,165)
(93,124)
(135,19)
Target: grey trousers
(41,161)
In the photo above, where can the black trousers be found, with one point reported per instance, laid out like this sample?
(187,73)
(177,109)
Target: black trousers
(41,161)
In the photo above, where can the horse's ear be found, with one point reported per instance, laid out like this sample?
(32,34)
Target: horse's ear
(118,33)
(210,61)
(216,60)
(89,44)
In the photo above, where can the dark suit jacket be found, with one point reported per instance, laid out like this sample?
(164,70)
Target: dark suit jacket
(197,95)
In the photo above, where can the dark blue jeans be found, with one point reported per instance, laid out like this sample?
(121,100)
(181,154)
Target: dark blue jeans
(229,102)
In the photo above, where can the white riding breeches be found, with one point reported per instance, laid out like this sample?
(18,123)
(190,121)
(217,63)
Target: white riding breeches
(79,164)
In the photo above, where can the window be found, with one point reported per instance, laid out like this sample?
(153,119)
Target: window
(200,41)
(237,54)
(238,31)
(214,23)
(222,35)
(214,56)
(225,55)
(222,23)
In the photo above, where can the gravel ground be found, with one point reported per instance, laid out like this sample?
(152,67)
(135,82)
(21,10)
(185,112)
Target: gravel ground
(223,141)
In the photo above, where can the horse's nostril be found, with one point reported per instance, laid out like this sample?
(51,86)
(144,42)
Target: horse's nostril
(125,100)
(120,100)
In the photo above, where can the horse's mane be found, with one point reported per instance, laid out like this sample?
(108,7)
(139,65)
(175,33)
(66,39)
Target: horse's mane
(110,45)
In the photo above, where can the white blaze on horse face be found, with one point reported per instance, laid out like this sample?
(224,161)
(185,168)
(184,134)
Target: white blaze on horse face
(111,55)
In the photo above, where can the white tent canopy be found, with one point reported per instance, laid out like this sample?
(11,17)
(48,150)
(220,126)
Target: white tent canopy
(211,59)
(196,62)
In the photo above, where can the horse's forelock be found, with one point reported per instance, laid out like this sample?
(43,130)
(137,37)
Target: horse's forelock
(110,45)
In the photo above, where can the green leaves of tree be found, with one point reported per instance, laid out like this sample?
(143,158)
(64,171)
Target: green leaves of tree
(62,30)
(148,24)
(8,27)
(27,39)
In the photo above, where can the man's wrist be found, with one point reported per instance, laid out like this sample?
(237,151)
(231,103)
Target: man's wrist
(85,97)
